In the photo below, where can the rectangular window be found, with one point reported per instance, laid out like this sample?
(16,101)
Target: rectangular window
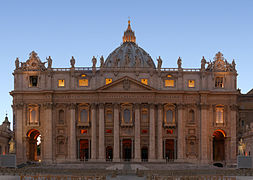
(191,83)
(61,83)
(33,81)
(219,82)
(219,115)
(169,83)
(108,80)
(83,82)
(144,81)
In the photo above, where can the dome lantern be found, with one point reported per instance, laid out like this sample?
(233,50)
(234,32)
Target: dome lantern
(129,34)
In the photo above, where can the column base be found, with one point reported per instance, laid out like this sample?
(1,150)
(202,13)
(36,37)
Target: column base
(115,160)
(137,160)
(100,160)
(92,160)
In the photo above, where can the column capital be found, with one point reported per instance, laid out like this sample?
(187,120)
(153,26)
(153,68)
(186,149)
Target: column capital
(204,106)
(48,105)
(160,106)
(233,107)
(93,105)
(137,105)
(116,105)
(19,105)
(180,106)
(101,105)
(72,106)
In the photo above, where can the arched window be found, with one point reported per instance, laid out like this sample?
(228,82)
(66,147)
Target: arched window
(84,116)
(169,116)
(191,116)
(144,115)
(127,116)
(61,117)
(219,114)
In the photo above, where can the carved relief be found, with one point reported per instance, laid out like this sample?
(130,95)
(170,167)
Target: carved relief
(33,63)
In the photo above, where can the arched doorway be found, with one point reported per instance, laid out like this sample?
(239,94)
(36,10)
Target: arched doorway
(144,153)
(219,145)
(34,145)
(109,153)
(84,149)
(127,149)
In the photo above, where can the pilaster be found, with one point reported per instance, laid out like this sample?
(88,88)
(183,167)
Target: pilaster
(116,157)
(101,133)
(151,133)
(137,141)
(159,134)
(18,133)
(72,143)
(181,136)
(93,132)
(48,135)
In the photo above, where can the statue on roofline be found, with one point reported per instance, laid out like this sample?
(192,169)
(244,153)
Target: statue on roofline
(94,61)
(101,61)
(49,62)
(159,63)
(72,62)
(179,63)
(17,63)
(203,63)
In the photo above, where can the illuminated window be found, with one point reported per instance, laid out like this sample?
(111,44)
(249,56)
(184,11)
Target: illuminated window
(169,75)
(169,83)
(83,82)
(83,75)
(108,80)
(144,81)
(219,114)
(191,83)
(33,81)
(61,83)
(219,82)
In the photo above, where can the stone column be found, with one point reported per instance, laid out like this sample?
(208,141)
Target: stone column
(204,133)
(116,151)
(180,136)
(48,133)
(137,137)
(72,135)
(93,132)
(233,110)
(160,134)
(18,133)
(101,133)
(151,151)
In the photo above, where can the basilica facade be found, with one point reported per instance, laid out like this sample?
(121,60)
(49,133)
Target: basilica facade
(125,108)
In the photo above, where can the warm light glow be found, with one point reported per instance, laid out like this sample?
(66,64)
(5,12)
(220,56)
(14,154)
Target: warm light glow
(169,75)
(144,81)
(169,83)
(61,83)
(83,75)
(83,82)
(191,83)
(108,80)
(84,131)
(221,131)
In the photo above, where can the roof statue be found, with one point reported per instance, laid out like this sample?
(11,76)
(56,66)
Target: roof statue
(72,62)
(49,62)
(101,61)
(17,63)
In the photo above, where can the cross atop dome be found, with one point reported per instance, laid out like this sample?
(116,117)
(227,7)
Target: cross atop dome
(129,34)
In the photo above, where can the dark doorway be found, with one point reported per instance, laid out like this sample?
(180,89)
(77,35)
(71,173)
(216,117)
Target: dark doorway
(127,149)
(219,145)
(84,149)
(109,153)
(34,145)
(144,153)
(169,149)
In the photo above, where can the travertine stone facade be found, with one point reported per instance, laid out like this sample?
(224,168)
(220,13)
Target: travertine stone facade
(6,145)
(126,108)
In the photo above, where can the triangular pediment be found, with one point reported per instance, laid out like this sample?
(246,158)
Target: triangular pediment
(126,84)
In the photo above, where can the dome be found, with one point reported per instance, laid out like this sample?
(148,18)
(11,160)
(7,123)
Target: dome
(129,54)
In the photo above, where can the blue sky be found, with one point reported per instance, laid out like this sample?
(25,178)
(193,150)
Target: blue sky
(186,28)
